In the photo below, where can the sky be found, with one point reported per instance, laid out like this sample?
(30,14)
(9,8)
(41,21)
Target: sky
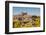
(29,10)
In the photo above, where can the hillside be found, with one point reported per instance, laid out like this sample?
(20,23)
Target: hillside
(25,20)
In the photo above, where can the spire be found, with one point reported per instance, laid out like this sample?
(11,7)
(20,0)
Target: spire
(24,13)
